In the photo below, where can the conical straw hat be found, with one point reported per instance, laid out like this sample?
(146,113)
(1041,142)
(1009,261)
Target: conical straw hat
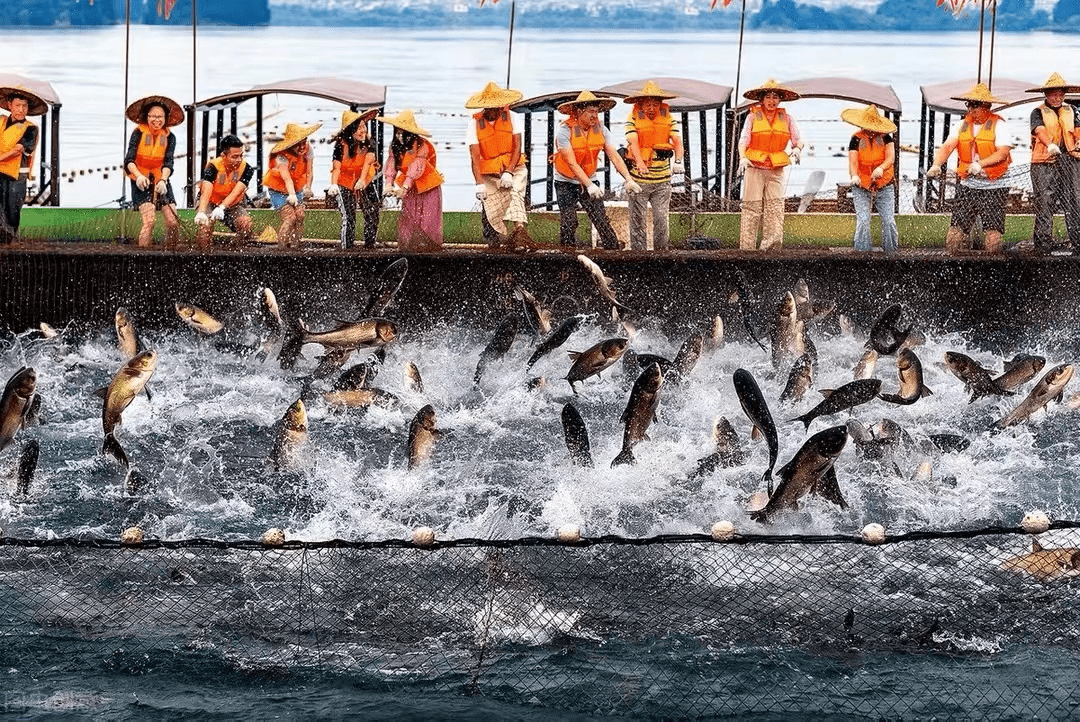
(406,121)
(868,118)
(651,90)
(1055,82)
(586,97)
(174,114)
(294,133)
(979,94)
(492,96)
(770,86)
(37,105)
(350,118)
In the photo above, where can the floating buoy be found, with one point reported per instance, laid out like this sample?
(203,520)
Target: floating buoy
(273,537)
(723,530)
(132,535)
(568,534)
(423,536)
(1035,522)
(873,534)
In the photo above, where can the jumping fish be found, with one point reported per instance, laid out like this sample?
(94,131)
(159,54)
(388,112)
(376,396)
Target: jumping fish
(1050,387)
(603,282)
(538,317)
(15,404)
(198,319)
(909,372)
(126,336)
(331,361)
(576,436)
(499,345)
(360,398)
(422,436)
(865,368)
(273,327)
(556,339)
(886,336)
(346,335)
(844,398)
(640,412)
(716,333)
(1046,565)
(1021,369)
(811,471)
(757,410)
(594,360)
(413,382)
(808,310)
(128,383)
(975,377)
(727,450)
(27,466)
(290,434)
(788,337)
(799,380)
(686,358)
(386,287)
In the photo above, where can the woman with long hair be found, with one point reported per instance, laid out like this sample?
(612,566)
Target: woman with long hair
(352,177)
(412,176)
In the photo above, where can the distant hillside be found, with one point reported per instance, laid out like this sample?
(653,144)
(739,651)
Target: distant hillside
(112,12)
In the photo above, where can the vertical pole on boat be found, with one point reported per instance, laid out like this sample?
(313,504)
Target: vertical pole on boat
(123,123)
(993,27)
(193,115)
(982,18)
(510,41)
(194,51)
(732,165)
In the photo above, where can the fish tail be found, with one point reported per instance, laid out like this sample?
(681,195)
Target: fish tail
(112,447)
(626,456)
(767,479)
(291,345)
(759,516)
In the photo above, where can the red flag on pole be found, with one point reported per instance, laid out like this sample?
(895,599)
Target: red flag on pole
(165,8)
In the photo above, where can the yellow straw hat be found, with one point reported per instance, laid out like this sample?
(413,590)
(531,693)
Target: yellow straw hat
(1054,82)
(294,133)
(651,90)
(586,97)
(350,118)
(979,94)
(868,118)
(492,96)
(406,121)
(37,105)
(174,114)
(771,86)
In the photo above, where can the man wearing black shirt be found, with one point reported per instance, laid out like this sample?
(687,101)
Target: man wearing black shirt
(18,139)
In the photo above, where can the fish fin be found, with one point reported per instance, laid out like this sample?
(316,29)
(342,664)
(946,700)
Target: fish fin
(826,392)
(112,447)
(828,488)
(767,478)
(1035,546)
(626,456)
(101,392)
(755,433)
(149,396)
(1060,396)
(573,355)
(759,516)
(926,392)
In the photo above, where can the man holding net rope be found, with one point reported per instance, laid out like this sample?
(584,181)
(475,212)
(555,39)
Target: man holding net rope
(1054,154)
(222,192)
(18,139)
(983,148)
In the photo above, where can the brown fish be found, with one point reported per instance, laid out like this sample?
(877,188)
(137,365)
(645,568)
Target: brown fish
(422,436)
(640,412)
(15,404)
(128,383)
(198,319)
(595,359)
(1046,565)
(290,434)
(1050,387)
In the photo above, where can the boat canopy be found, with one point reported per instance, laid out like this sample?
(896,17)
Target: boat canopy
(47,190)
(938,97)
(851,89)
(358,96)
(693,96)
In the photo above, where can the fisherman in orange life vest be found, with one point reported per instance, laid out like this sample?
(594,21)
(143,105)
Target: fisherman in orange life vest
(498,166)
(149,164)
(871,155)
(352,177)
(18,139)
(288,182)
(1054,161)
(652,139)
(413,177)
(766,134)
(578,143)
(983,147)
(222,191)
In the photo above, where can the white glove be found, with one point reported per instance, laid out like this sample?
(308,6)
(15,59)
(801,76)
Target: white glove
(332,191)
(1053,149)
(396,191)
(855,182)
(292,200)
(218,214)
(481,191)
(161,188)
(877,174)
(795,155)
(975,167)
(933,171)
(744,163)
(142,182)
(506,180)
(201,218)
(677,167)
(594,191)
(306,193)
(632,186)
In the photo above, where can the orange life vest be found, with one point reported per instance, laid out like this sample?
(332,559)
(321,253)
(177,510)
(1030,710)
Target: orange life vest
(225,181)
(150,155)
(983,144)
(1060,126)
(298,168)
(768,140)
(586,146)
(871,154)
(496,141)
(430,178)
(351,167)
(652,133)
(10,136)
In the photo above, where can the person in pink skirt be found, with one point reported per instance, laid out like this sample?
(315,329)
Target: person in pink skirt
(412,176)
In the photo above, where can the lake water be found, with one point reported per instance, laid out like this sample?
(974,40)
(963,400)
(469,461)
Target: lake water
(434,71)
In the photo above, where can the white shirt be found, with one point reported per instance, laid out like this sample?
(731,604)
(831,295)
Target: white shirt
(517,123)
(1002,136)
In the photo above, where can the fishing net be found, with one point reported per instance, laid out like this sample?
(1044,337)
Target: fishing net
(964,623)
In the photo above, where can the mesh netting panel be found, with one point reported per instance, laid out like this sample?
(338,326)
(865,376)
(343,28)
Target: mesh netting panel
(680,627)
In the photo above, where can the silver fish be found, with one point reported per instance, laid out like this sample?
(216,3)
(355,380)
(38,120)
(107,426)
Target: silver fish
(15,404)
(290,434)
(594,360)
(576,436)
(1050,387)
(910,375)
(422,436)
(810,471)
(128,383)
(640,412)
